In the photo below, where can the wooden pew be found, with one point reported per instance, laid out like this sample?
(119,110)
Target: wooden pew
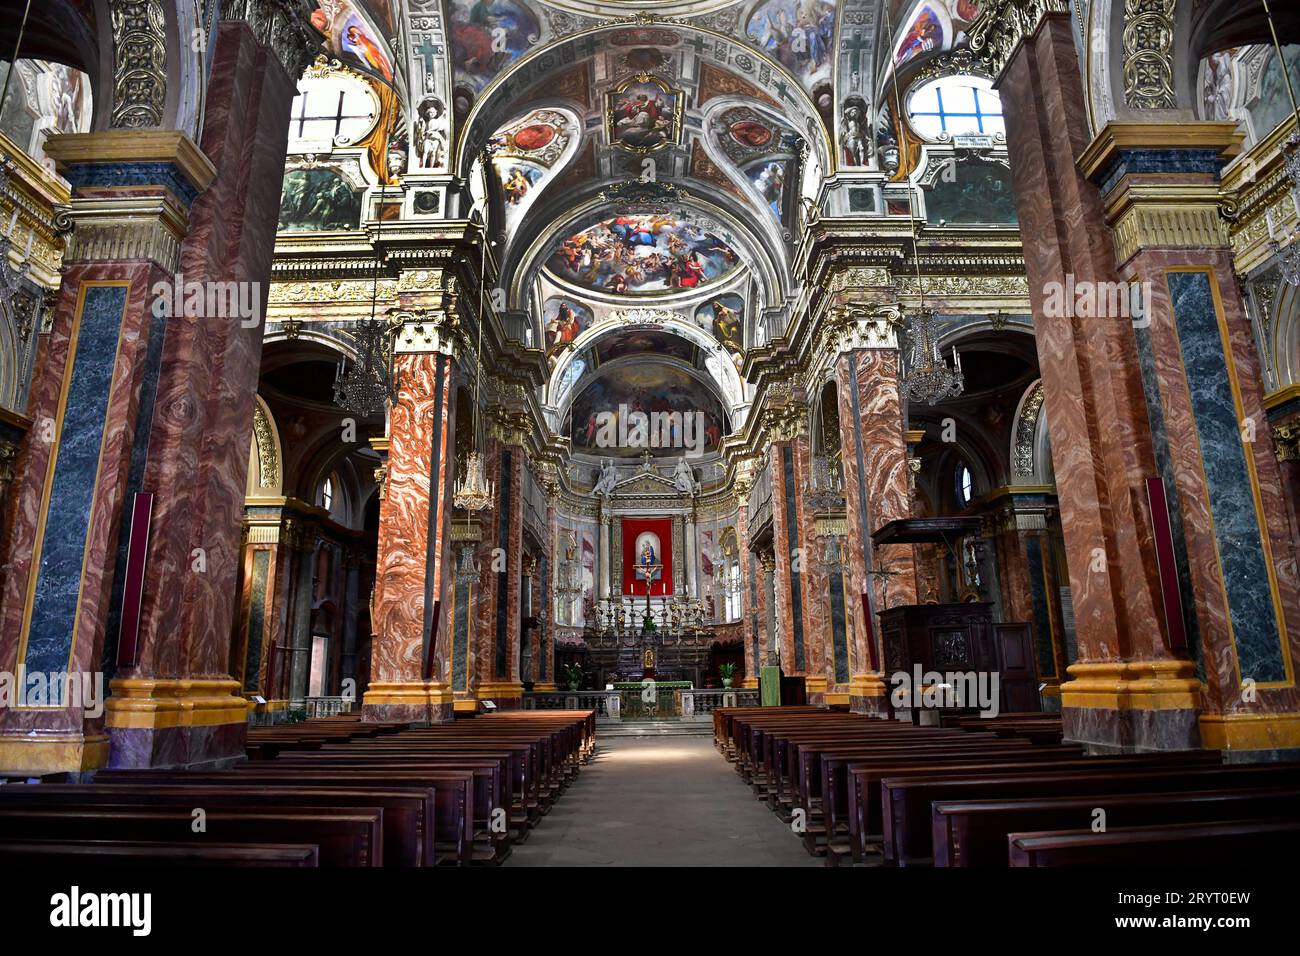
(489,793)
(906,800)
(345,836)
(453,793)
(866,816)
(974,832)
(409,814)
(115,853)
(1179,844)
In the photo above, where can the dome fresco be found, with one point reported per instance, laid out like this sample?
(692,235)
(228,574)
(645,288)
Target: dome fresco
(643,253)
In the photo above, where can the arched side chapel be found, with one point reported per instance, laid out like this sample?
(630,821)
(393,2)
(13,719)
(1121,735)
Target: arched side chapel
(572,219)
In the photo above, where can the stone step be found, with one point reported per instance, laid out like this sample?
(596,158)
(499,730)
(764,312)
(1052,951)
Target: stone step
(654,728)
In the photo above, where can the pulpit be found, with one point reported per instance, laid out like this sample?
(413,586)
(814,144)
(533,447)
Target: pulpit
(956,638)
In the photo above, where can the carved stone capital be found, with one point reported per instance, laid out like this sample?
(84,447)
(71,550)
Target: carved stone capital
(425,331)
(1002,24)
(113,229)
(1286,440)
(282,26)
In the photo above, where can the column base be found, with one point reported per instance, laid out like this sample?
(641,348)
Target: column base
(37,754)
(815,688)
(421,702)
(546,688)
(869,694)
(265,715)
(175,722)
(1266,734)
(749,683)
(1049,698)
(507,694)
(1125,707)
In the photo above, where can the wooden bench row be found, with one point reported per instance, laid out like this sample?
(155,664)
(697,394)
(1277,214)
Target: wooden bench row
(969,792)
(337,795)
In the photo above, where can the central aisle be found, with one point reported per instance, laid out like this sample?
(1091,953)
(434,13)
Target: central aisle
(660,801)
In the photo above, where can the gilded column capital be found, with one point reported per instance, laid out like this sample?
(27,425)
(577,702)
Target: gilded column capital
(510,426)
(848,328)
(425,331)
(1286,441)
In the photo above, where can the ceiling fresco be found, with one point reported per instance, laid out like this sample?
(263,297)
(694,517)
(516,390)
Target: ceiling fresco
(639,253)
(649,388)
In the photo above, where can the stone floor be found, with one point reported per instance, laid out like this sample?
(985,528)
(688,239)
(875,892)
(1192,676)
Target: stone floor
(668,801)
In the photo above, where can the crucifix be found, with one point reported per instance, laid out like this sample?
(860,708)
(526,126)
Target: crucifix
(649,572)
(886,573)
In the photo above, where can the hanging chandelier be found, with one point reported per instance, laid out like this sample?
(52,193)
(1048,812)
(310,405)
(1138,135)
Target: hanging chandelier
(473,492)
(366,385)
(928,379)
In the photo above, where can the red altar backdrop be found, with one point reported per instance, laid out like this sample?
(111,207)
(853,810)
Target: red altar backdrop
(659,533)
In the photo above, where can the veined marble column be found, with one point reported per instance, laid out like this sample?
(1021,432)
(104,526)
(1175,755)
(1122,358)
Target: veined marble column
(91,399)
(545,678)
(1234,562)
(1148,405)
(790,558)
(499,678)
(767,608)
(749,626)
(815,586)
(603,572)
(876,491)
(271,578)
(1030,589)
(414,571)
(693,588)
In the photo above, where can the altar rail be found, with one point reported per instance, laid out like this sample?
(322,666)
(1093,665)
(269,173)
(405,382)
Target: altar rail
(631,704)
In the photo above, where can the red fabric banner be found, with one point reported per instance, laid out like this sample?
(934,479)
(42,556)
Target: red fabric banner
(658,534)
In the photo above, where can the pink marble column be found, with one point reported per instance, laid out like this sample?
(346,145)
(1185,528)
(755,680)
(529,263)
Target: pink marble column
(1101,435)
(788,573)
(197,457)
(66,504)
(876,491)
(502,630)
(749,583)
(413,571)
(815,586)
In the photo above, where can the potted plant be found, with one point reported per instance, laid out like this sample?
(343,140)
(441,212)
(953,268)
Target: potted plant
(572,676)
(726,672)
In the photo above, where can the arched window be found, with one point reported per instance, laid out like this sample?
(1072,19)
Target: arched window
(330,111)
(964,485)
(327,494)
(952,105)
